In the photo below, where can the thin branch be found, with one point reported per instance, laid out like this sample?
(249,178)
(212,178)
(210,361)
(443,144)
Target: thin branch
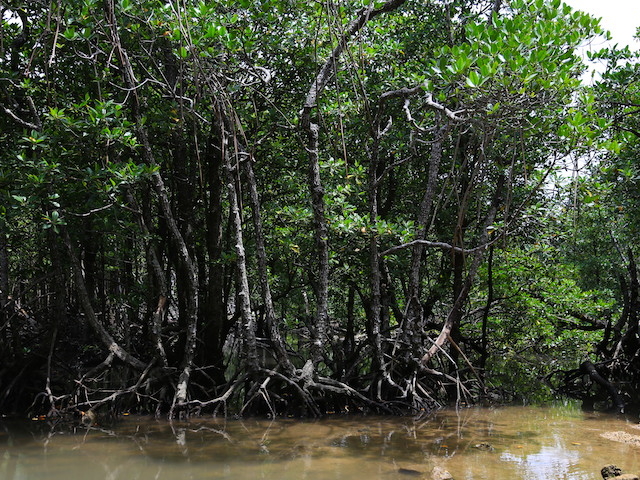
(17,119)
(90,212)
(442,245)
(449,113)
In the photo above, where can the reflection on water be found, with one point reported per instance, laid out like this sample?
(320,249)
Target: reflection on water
(547,463)
(474,444)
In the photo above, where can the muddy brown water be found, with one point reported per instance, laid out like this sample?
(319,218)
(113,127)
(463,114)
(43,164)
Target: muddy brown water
(532,443)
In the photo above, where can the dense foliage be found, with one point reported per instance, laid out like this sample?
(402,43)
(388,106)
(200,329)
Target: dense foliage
(293,207)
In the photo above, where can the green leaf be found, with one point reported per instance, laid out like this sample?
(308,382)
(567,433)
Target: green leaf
(474,80)
(70,33)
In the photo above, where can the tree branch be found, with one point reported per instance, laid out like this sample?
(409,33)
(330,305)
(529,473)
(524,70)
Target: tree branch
(18,120)
(442,245)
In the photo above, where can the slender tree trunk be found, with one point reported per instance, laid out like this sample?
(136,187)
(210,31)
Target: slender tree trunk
(189,271)
(347,349)
(319,327)
(89,253)
(454,316)
(375,308)
(155,268)
(634,299)
(57,307)
(375,175)
(375,275)
(312,131)
(484,352)
(4,285)
(190,276)
(270,314)
(413,321)
(232,170)
(89,312)
(214,311)
(247,315)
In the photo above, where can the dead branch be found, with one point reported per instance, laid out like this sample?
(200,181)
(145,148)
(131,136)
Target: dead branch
(441,245)
(450,114)
(20,121)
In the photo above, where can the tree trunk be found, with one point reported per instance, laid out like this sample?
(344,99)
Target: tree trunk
(484,351)
(312,131)
(453,318)
(214,316)
(413,322)
(270,314)
(89,312)
(4,287)
(159,281)
(375,275)
(190,276)
(318,329)
(189,271)
(232,169)
(589,368)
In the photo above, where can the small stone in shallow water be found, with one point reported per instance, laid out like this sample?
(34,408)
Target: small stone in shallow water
(440,473)
(610,471)
(485,447)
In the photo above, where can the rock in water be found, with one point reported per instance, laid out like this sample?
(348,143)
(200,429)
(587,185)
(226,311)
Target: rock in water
(89,418)
(610,471)
(440,473)
(485,447)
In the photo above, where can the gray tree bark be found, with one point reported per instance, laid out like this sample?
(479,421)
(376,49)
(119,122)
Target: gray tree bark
(316,190)
(184,257)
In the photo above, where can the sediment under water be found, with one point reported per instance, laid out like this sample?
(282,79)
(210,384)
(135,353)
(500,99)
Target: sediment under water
(531,443)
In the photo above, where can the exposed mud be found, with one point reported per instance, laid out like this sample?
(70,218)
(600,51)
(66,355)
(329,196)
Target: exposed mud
(622,437)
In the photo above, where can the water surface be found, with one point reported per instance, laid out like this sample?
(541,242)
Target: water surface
(472,444)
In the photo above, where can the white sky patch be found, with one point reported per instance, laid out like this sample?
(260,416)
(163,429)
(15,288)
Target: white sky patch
(620,17)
